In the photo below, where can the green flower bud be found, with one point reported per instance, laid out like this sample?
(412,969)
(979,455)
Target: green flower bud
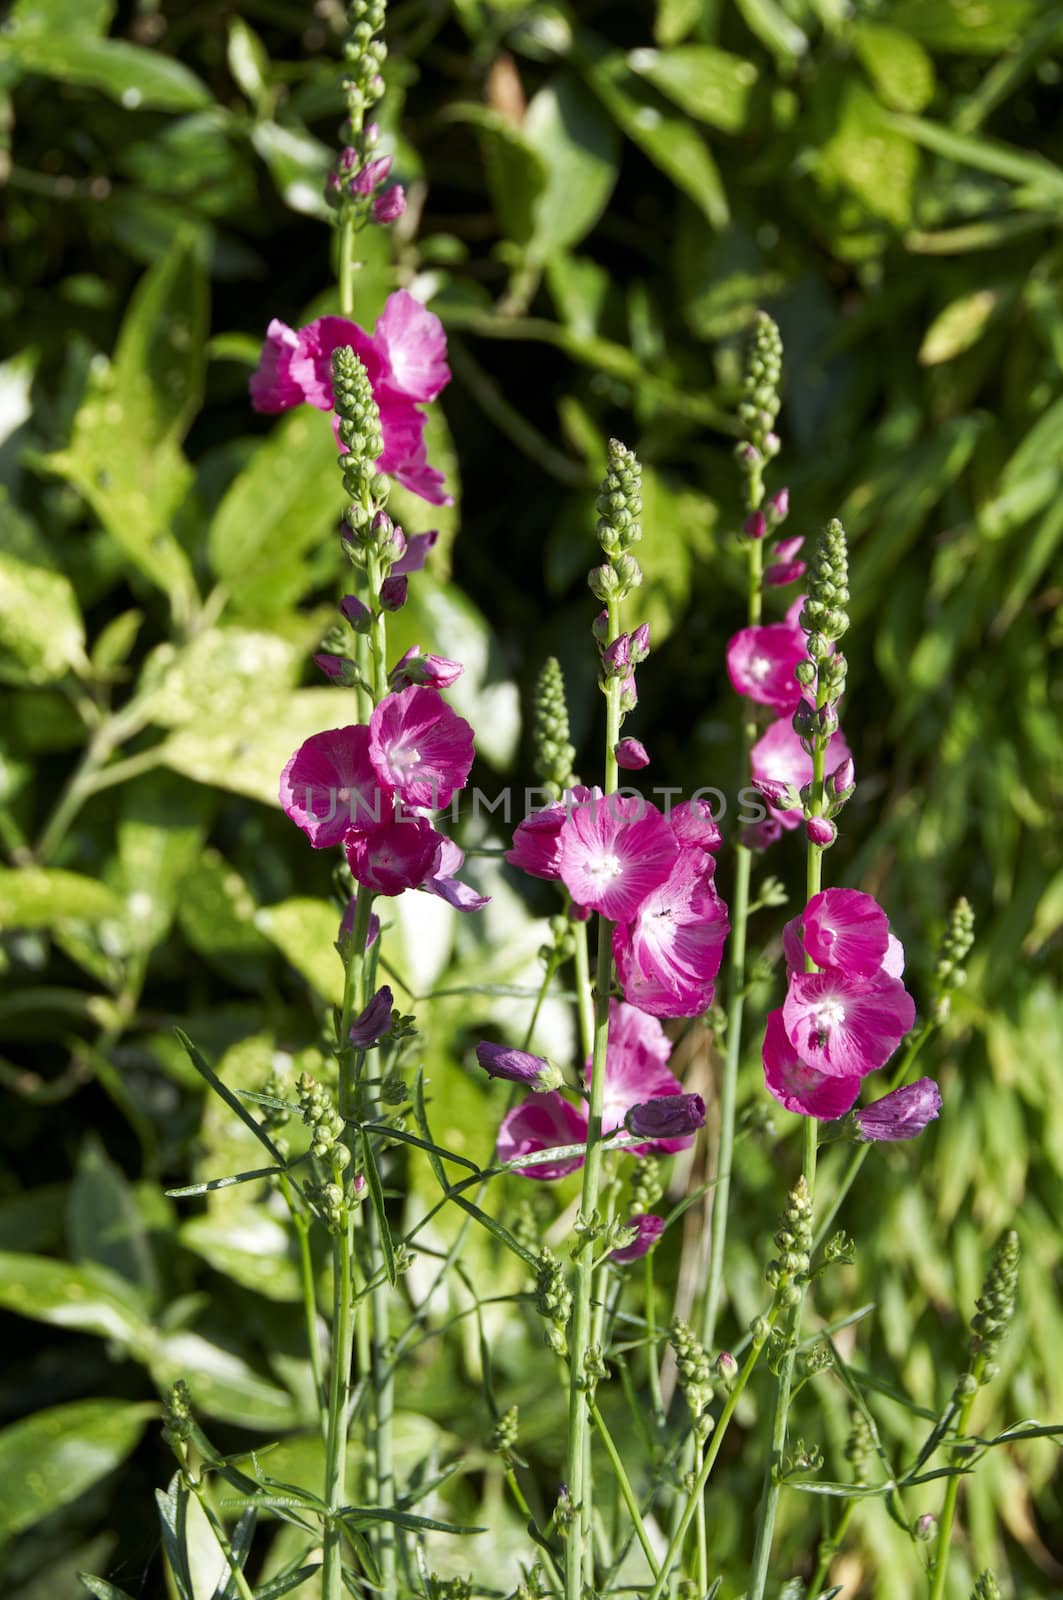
(553,750)
(996,1303)
(986,1587)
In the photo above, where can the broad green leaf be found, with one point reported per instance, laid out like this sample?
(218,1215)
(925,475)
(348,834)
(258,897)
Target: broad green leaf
(249,1246)
(897,64)
(249,760)
(249,63)
(49,1459)
(675,19)
(160,834)
(104,1221)
(53,16)
(88,1298)
(286,502)
(43,897)
(159,361)
(222,1383)
(579,150)
(33,1219)
(969,27)
(665,137)
(961,324)
(222,674)
(139,79)
(708,84)
(1030,479)
(42,636)
(516,173)
(768,21)
(298,164)
(216,913)
(868,157)
(305,931)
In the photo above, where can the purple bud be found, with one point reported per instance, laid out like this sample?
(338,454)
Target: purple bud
(371,135)
(761,835)
(926,1526)
(725,1367)
(669,1116)
(648,1230)
(393,593)
(640,643)
(347,925)
(631,755)
(338,669)
(389,206)
(842,781)
(438,672)
(518,1066)
(360,1185)
(382,526)
(821,831)
(616,657)
(374,1022)
(332,184)
(600,627)
(900,1115)
(629,695)
(772,445)
(755,525)
(358,615)
(779,507)
(786,549)
(783,796)
(749,455)
(779,573)
(372,175)
(348,157)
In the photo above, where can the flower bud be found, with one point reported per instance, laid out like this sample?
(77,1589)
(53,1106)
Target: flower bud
(900,1115)
(755,525)
(338,669)
(518,1066)
(842,781)
(818,830)
(925,1527)
(647,1230)
(631,755)
(371,135)
(374,1022)
(391,205)
(604,583)
(438,672)
(358,615)
(600,627)
(393,593)
(725,1368)
(778,507)
(669,1116)
(629,695)
(616,657)
(371,176)
(640,643)
(783,796)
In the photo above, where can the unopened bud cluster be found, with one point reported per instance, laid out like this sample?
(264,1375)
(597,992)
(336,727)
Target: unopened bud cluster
(324,1121)
(789,1270)
(757,411)
(986,1587)
(364,54)
(825,621)
(553,1300)
(619,507)
(360,433)
(553,752)
(951,970)
(996,1305)
(860,1447)
(646,1186)
(177,1415)
(693,1374)
(504,1435)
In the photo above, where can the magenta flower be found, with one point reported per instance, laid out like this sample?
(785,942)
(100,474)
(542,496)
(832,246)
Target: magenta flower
(443,882)
(779,757)
(846,1026)
(667,956)
(372,175)
(537,842)
(542,1122)
(405,358)
(635,1073)
(799,1087)
(902,1114)
(518,1066)
(330,785)
(821,831)
(843,928)
(669,1120)
(648,1230)
(416,553)
(631,755)
(614,852)
(785,568)
(694,826)
(761,663)
(374,1022)
(433,672)
(400,854)
(420,747)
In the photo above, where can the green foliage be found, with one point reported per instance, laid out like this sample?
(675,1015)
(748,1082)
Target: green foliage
(604,198)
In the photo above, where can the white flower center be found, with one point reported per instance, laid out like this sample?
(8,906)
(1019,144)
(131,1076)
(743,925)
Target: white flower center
(830,1014)
(759,668)
(404,759)
(343,795)
(604,868)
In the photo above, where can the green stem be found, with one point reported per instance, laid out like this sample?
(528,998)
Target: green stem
(585,999)
(243,1588)
(301,1223)
(653,1365)
(709,1459)
(579,1480)
(719,1197)
(625,1486)
(940,1569)
(339,1390)
(526,1512)
(829,1549)
(548,977)
(348,266)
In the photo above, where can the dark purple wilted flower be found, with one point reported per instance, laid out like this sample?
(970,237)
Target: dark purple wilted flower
(900,1115)
(518,1066)
(374,1022)
(669,1116)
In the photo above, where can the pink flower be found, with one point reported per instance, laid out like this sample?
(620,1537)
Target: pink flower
(417,548)
(434,672)
(443,882)
(331,785)
(420,747)
(667,956)
(846,1026)
(799,1087)
(779,757)
(631,755)
(694,826)
(761,663)
(405,358)
(537,840)
(843,928)
(902,1114)
(785,568)
(542,1122)
(636,1073)
(648,1230)
(614,852)
(398,855)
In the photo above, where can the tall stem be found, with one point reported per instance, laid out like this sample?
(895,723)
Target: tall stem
(719,1197)
(339,1392)
(579,1480)
(940,1571)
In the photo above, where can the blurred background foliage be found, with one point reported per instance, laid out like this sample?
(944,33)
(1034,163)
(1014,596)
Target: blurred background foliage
(601,196)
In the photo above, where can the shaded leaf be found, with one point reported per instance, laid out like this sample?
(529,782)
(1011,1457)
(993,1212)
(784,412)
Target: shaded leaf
(49,1459)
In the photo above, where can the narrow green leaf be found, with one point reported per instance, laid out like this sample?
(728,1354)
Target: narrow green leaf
(50,1458)
(101,1588)
(768,22)
(376,1195)
(422,1144)
(240,1543)
(986,155)
(285,1583)
(365,1516)
(223,1183)
(225,1093)
(173,1521)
